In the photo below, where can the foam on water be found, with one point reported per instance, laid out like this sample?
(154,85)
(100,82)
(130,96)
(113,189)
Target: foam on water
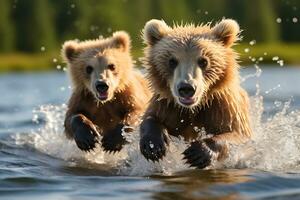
(276,141)
(275,145)
(51,140)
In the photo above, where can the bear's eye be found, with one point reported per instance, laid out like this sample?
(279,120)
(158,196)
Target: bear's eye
(111,67)
(202,62)
(89,69)
(173,62)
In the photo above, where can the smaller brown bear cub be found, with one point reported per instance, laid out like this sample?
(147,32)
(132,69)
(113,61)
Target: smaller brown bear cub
(108,95)
(194,76)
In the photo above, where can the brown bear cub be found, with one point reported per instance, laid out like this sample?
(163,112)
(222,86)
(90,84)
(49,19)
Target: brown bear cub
(108,95)
(194,76)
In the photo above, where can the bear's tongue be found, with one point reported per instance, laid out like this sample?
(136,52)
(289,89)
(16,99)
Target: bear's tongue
(187,100)
(102,95)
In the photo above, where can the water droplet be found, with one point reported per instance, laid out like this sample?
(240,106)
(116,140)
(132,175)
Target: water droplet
(252,42)
(295,19)
(35,118)
(246,50)
(73,5)
(206,12)
(275,58)
(278,20)
(151,145)
(54,60)
(58,67)
(182,121)
(196,129)
(277,103)
(280,62)
(265,53)
(94,28)
(109,30)
(43,48)
(272,89)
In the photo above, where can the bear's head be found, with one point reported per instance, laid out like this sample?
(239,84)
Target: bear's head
(188,63)
(99,66)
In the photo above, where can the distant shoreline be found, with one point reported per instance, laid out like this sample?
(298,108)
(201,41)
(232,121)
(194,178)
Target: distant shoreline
(264,54)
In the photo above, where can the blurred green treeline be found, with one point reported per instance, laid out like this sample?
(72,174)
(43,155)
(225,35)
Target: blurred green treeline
(35,26)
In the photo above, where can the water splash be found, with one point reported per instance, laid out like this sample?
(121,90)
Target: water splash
(276,142)
(51,140)
(275,145)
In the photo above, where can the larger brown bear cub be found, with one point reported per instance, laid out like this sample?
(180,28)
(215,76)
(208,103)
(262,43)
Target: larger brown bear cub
(108,94)
(194,76)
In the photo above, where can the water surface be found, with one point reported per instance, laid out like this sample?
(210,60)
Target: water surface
(37,162)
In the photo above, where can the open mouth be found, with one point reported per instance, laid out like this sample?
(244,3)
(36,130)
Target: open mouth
(102,96)
(187,101)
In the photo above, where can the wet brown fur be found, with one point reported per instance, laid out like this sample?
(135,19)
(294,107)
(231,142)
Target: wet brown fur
(130,98)
(126,107)
(223,109)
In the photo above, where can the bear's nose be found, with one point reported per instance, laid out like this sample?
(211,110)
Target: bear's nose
(101,86)
(186,90)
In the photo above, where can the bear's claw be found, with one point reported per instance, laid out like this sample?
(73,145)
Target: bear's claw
(84,132)
(113,140)
(198,155)
(153,148)
(86,138)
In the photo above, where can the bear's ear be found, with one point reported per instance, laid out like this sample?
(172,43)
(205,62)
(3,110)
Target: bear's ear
(121,40)
(70,50)
(154,30)
(226,31)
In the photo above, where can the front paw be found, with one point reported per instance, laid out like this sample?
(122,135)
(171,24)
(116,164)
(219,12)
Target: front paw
(85,133)
(198,155)
(86,139)
(153,147)
(113,140)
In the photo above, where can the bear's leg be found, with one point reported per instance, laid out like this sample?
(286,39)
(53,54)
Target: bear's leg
(84,132)
(113,140)
(153,139)
(201,153)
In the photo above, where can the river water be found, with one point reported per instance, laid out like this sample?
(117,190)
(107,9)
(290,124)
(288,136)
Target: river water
(38,162)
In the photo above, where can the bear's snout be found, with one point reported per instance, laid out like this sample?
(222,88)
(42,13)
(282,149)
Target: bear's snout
(186,90)
(101,86)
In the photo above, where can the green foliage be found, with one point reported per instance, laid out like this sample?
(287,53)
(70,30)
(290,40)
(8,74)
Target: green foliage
(261,21)
(6,27)
(27,25)
(26,62)
(288,12)
(34,25)
(289,53)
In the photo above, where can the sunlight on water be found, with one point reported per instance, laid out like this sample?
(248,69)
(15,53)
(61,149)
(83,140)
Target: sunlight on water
(275,145)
